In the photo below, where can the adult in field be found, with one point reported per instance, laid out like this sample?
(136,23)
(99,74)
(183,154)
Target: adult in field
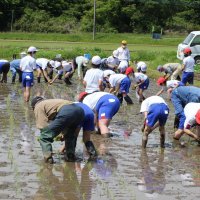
(27,65)
(54,116)
(80,63)
(173,70)
(15,67)
(93,79)
(188,67)
(123,53)
(181,96)
(104,106)
(4,69)
(156,112)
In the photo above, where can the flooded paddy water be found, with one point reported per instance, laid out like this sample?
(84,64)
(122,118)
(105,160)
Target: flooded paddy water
(123,170)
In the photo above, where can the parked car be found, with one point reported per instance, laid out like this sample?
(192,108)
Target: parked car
(193,42)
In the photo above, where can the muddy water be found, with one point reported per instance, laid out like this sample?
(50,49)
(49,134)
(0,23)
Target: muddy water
(123,170)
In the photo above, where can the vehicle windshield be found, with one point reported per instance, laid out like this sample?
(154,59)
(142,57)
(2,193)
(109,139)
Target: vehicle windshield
(188,38)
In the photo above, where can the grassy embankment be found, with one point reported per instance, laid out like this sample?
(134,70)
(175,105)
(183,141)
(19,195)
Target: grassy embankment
(142,47)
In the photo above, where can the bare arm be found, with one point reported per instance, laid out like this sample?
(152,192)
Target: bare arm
(160,92)
(56,76)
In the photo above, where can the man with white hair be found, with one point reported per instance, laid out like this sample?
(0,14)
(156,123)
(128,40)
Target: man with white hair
(171,69)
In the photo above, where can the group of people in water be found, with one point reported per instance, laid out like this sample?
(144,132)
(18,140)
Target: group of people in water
(107,84)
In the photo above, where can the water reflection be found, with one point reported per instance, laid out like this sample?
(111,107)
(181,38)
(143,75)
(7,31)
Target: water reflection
(153,179)
(66,181)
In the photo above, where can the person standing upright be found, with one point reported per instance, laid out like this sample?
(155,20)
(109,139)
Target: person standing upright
(188,67)
(27,65)
(123,52)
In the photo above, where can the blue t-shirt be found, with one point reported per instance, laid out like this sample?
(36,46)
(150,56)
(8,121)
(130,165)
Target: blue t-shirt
(15,64)
(88,123)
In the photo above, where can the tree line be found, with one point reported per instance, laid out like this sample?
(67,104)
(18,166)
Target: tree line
(116,16)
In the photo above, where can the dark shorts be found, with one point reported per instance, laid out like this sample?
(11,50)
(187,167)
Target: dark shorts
(5,67)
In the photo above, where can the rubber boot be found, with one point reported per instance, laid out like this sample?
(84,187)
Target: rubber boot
(120,97)
(176,122)
(20,77)
(67,81)
(60,76)
(45,141)
(70,147)
(128,100)
(38,79)
(13,79)
(91,149)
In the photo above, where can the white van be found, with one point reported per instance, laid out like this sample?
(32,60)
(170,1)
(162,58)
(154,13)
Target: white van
(193,42)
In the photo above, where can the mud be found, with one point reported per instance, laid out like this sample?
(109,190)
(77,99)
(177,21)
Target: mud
(123,170)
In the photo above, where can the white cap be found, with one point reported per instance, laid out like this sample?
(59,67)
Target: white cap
(52,63)
(57,64)
(108,72)
(142,65)
(96,60)
(123,65)
(115,53)
(31,49)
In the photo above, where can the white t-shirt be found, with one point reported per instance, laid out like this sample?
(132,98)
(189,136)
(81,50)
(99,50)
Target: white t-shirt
(190,111)
(42,62)
(92,78)
(115,79)
(149,101)
(92,99)
(123,54)
(28,64)
(139,77)
(189,62)
(172,83)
